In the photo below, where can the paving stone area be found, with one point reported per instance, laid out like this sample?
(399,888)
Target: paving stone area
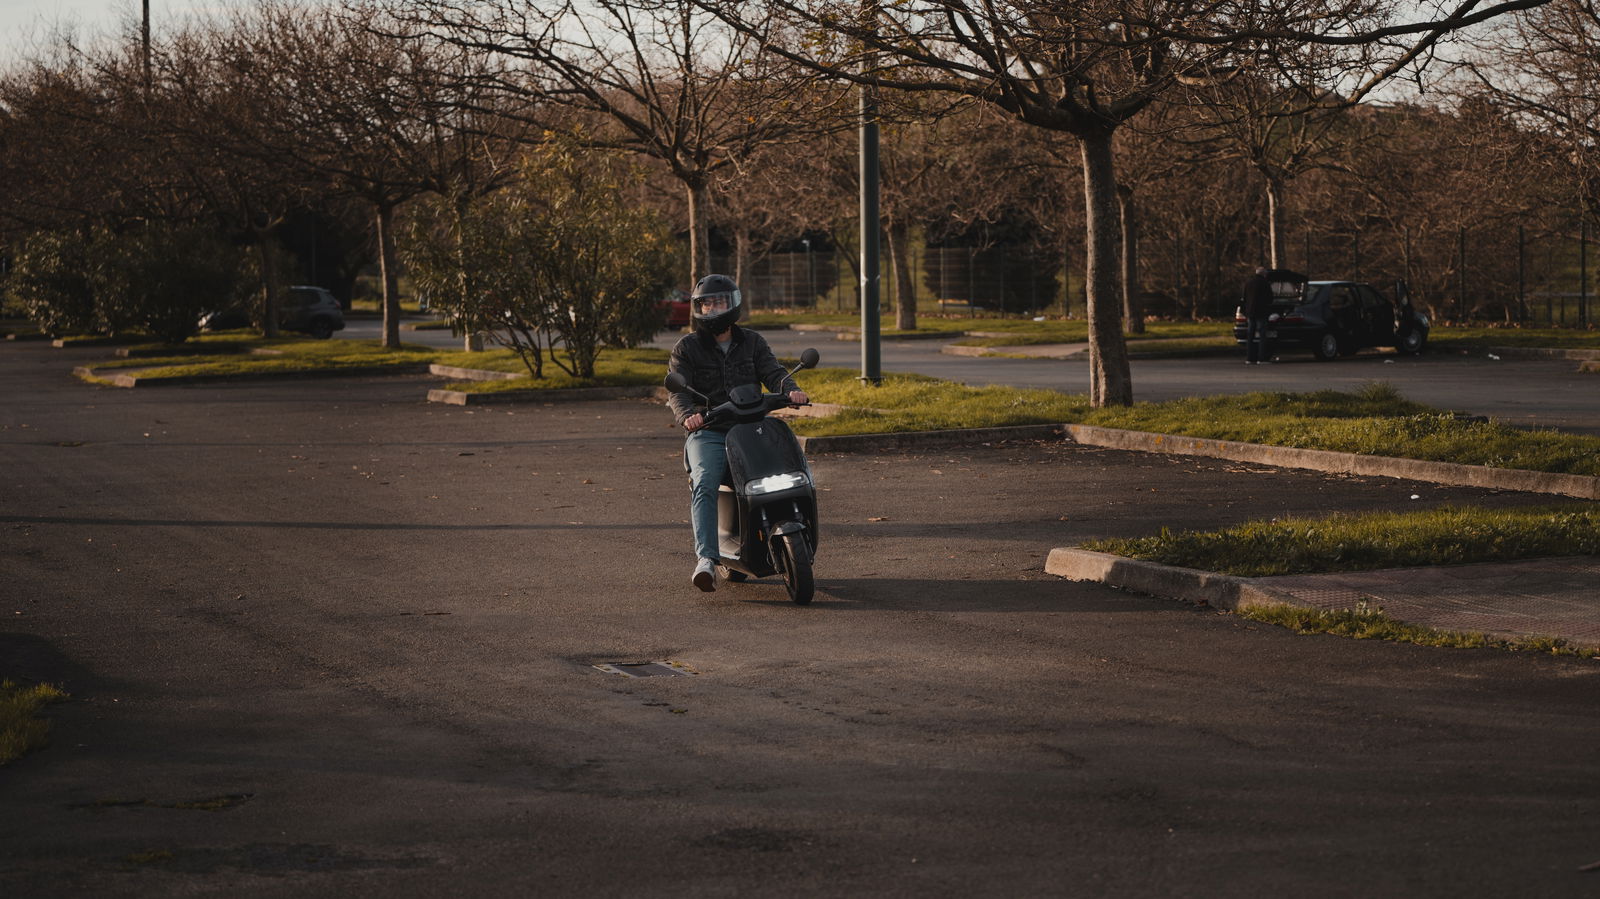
(1548,597)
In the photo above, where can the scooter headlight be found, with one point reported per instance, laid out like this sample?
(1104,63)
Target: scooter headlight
(774,483)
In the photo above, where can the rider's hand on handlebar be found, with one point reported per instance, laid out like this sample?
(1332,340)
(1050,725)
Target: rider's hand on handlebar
(798,397)
(694,422)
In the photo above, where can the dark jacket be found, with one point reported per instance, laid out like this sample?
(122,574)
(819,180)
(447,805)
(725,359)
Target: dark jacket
(1257,297)
(748,361)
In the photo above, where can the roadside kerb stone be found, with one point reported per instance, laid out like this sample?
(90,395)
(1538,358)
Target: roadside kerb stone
(1580,486)
(854,336)
(568,395)
(132,379)
(1532,352)
(1221,591)
(198,352)
(853,443)
(1029,350)
(455,373)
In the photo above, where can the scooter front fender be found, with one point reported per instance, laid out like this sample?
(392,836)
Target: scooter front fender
(787,527)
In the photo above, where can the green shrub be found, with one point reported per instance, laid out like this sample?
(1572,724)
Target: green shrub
(49,282)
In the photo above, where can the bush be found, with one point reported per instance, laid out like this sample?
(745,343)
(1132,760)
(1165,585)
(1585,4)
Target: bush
(558,261)
(49,282)
(162,277)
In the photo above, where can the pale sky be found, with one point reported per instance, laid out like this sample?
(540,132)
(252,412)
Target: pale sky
(25,21)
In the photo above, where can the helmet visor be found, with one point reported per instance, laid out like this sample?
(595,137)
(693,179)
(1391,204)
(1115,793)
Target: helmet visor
(715,303)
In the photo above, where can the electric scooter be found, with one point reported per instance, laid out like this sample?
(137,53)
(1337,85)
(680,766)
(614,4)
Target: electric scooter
(767,504)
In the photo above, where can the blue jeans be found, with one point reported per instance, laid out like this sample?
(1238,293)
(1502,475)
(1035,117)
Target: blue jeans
(1256,347)
(706,453)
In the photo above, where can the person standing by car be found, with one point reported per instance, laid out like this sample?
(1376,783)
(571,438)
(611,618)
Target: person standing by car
(715,358)
(1257,306)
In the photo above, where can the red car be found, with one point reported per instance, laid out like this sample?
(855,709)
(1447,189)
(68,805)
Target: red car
(675,310)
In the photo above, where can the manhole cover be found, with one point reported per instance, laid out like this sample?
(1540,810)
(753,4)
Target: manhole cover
(647,669)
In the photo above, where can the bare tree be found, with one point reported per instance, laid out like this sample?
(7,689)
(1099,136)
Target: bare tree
(346,102)
(1087,68)
(666,80)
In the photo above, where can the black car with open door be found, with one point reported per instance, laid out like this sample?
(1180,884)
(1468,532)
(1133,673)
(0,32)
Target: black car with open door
(1337,318)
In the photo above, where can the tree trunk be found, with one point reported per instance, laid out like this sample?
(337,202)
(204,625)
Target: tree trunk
(269,282)
(1132,310)
(905,296)
(1275,221)
(389,266)
(1110,381)
(699,245)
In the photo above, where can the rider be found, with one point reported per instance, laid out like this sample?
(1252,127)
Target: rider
(717,357)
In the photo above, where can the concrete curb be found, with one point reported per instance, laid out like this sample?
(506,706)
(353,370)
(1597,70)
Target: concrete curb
(132,379)
(855,336)
(195,353)
(1580,486)
(952,349)
(1021,351)
(472,374)
(1221,591)
(852,443)
(573,395)
(1529,352)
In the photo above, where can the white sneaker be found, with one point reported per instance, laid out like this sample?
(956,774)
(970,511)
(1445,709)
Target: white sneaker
(705,575)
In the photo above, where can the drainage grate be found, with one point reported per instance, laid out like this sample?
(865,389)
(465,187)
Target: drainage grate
(648,669)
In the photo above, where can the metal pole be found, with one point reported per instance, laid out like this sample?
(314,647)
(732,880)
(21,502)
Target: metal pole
(145,33)
(1522,274)
(972,290)
(811,278)
(871,354)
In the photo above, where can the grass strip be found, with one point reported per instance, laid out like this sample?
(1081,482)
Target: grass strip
(21,730)
(1367,623)
(1024,333)
(906,402)
(1375,420)
(1480,337)
(614,368)
(1449,535)
(307,356)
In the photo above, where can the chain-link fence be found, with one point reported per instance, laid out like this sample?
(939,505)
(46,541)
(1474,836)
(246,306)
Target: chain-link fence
(1503,274)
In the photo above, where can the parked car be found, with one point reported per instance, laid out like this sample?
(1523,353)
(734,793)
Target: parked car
(675,309)
(303,309)
(311,310)
(1337,318)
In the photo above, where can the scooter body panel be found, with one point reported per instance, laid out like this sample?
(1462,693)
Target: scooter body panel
(756,451)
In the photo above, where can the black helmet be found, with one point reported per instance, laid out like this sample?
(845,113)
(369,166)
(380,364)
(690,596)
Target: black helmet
(715,303)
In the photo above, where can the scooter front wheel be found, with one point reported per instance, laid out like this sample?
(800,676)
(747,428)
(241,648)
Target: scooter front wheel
(796,558)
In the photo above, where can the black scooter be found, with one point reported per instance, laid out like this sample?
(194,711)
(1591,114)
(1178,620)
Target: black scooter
(767,505)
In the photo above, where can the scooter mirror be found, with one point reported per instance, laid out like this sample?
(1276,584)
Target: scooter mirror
(809,358)
(676,382)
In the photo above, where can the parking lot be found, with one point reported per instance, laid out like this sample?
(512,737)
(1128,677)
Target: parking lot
(340,641)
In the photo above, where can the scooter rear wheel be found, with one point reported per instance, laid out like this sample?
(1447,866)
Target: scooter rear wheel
(797,568)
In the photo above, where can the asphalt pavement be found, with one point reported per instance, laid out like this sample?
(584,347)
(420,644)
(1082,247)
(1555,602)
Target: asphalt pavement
(324,638)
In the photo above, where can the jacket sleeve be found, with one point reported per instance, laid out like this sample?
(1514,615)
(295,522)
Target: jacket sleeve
(773,375)
(681,404)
